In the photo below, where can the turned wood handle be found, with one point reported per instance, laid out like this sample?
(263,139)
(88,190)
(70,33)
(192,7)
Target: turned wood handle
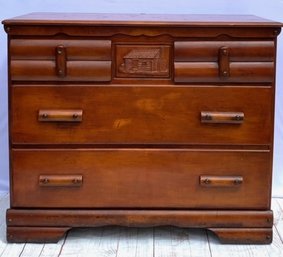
(222,117)
(60,180)
(224,61)
(221,181)
(61,61)
(60,115)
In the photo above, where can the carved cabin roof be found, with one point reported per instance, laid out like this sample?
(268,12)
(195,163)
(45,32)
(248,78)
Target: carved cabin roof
(143,54)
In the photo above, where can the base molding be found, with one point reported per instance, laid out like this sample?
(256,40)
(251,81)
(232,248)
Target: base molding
(35,234)
(38,225)
(243,235)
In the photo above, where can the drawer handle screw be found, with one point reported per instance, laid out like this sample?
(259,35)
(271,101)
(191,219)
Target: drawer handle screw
(76,181)
(238,117)
(44,115)
(45,180)
(225,73)
(206,181)
(208,117)
(237,182)
(75,116)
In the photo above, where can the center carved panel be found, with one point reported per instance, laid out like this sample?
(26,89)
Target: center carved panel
(142,61)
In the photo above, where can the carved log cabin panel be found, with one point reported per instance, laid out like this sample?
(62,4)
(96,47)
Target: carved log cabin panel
(146,61)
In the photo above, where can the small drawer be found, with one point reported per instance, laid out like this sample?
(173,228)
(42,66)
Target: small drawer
(154,178)
(75,71)
(60,60)
(141,115)
(224,61)
(239,51)
(40,49)
(204,72)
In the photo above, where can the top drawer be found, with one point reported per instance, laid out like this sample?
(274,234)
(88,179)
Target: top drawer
(76,60)
(224,61)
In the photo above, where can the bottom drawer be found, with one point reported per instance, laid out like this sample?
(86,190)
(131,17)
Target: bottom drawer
(141,178)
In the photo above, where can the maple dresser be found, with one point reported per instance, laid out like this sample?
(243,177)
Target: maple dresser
(141,120)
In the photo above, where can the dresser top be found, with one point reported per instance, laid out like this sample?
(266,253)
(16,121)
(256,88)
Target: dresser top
(92,19)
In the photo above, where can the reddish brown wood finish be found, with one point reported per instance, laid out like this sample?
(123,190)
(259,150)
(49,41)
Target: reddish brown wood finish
(243,235)
(239,51)
(42,70)
(112,19)
(255,226)
(87,60)
(142,115)
(223,61)
(54,234)
(128,178)
(43,49)
(240,72)
(139,218)
(141,120)
(142,61)
(61,61)
(35,234)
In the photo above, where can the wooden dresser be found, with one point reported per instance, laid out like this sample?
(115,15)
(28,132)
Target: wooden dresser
(141,120)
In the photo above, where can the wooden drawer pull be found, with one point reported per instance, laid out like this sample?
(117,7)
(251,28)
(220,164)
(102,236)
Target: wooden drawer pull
(221,181)
(61,57)
(60,180)
(60,115)
(222,117)
(224,62)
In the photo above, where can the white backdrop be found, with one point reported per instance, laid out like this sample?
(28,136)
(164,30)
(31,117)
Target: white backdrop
(271,9)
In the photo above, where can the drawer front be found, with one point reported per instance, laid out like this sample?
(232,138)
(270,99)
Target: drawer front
(109,178)
(141,115)
(224,61)
(39,49)
(75,71)
(60,60)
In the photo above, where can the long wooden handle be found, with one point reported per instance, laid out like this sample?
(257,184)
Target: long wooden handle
(221,181)
(222,117)
(60,115)
(60,180)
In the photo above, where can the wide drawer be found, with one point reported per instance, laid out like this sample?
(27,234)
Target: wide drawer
(224,61)
(60,60)
(141,178)
(141,115)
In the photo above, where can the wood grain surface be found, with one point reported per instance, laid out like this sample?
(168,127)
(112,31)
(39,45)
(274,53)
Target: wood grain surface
(142,114)
(141,242)
(119,178)
(173,113)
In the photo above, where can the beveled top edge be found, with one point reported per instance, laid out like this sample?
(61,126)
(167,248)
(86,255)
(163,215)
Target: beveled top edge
(140,19)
